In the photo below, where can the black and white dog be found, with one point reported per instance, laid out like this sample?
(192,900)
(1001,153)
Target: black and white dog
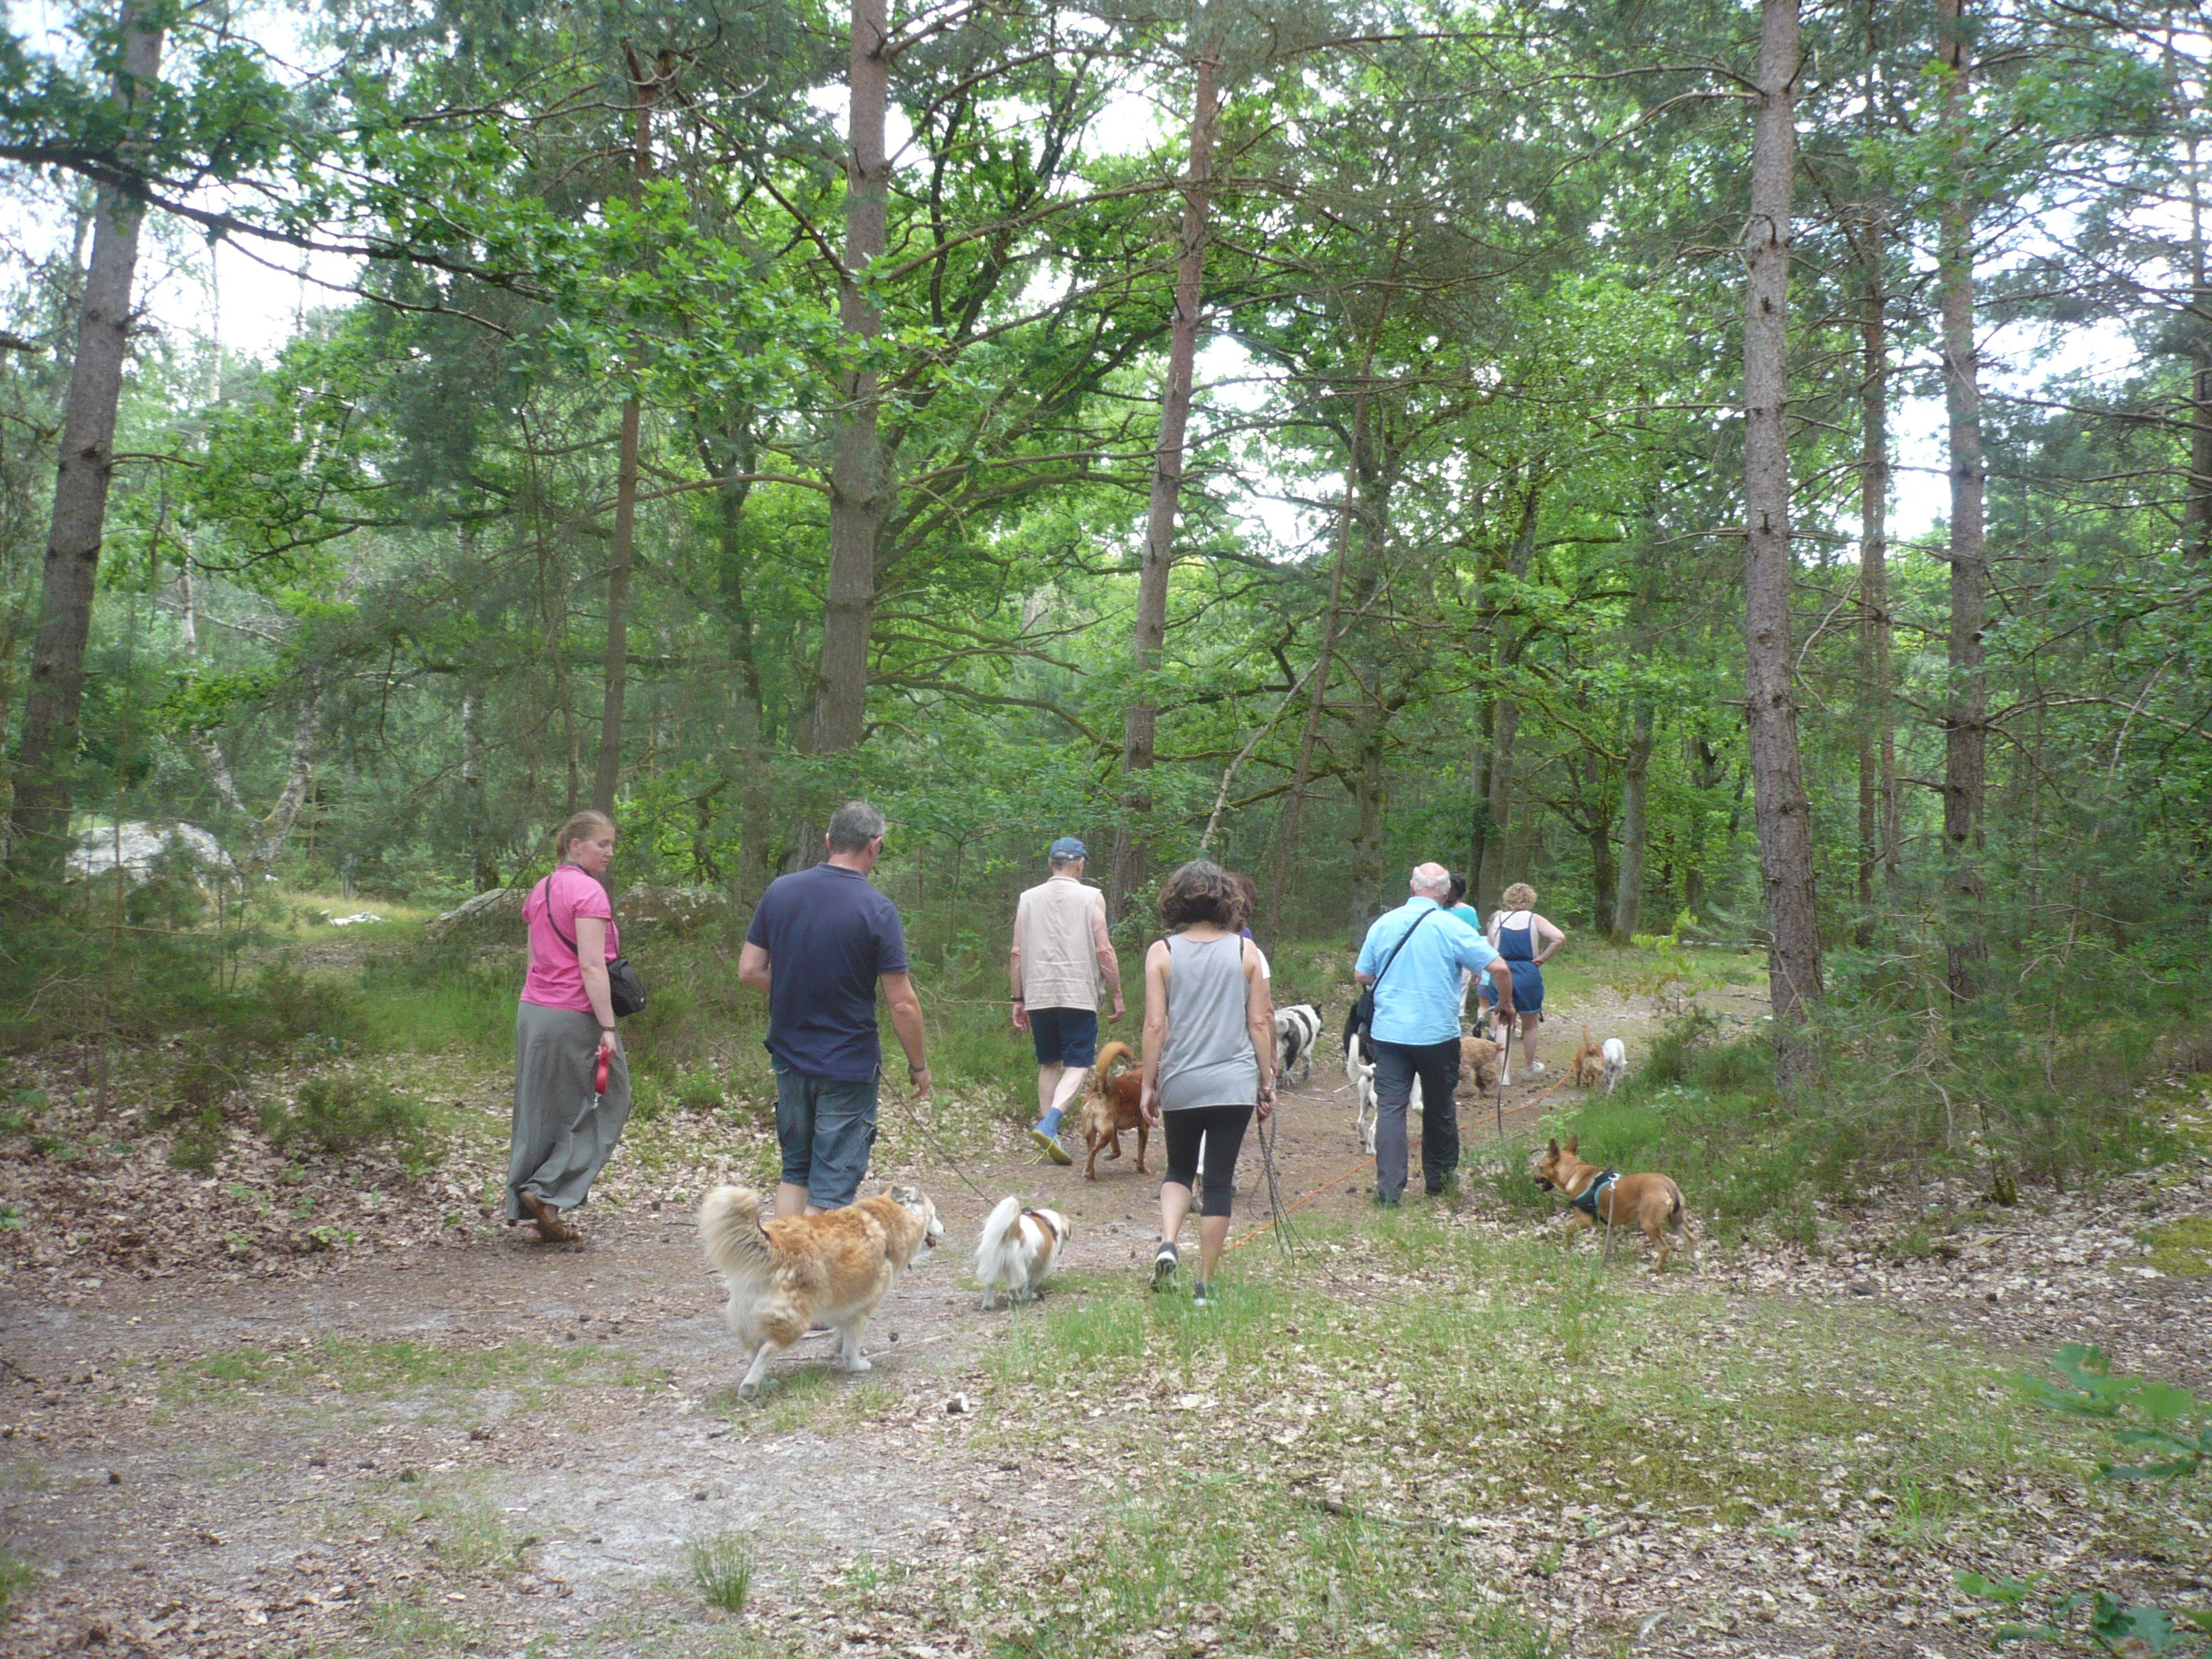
(1297,1028)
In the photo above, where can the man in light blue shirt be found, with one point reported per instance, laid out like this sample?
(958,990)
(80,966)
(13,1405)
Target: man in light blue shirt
(1414,957)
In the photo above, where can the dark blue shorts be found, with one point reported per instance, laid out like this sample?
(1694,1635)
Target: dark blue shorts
(1065,1037)
(826,1129)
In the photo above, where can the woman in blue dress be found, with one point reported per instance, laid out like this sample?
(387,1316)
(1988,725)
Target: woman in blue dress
(1527,941)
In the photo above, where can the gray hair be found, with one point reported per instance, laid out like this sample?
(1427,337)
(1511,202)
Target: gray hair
(853,826)
(1430,879)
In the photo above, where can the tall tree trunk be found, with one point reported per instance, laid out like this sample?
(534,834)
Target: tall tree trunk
(1635,827)
(1369,799)
(484,867)
(1605,880)
(859,487)
(1708,780)
(1877,754)
(622,555)
(1492,876)
(1965,737)
(2197,514)
(758,852)
(1784,818)
(276,828)
(1140,720)
(55,697)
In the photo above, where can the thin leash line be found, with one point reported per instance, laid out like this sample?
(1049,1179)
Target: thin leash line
(930,1135)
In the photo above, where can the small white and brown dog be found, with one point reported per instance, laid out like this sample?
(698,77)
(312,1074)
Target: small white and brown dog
(1019,1249)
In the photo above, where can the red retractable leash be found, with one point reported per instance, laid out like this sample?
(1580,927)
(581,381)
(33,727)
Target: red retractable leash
(606,1052)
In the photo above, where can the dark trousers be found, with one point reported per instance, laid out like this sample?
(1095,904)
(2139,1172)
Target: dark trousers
(1396,1065)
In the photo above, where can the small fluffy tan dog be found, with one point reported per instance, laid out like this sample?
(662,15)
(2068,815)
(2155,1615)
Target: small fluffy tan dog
(1598,1196)
(1111,1107)
(1478,1065)
(1017,1252)
(794,1271)
(1588,1069)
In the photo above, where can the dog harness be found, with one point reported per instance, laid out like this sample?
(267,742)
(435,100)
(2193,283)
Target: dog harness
(1588,1202)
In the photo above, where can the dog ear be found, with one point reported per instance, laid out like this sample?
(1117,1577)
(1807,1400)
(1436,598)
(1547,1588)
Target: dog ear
(907,1194)
(1574,1146)
(1555,1149)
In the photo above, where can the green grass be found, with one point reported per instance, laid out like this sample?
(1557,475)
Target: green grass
(722,1571)
(816,1396)
(17,1575)
(1305,1467)
(2183,1248)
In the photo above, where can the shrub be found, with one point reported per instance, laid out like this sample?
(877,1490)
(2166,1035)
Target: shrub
(700,1092)
(197,1142)
(342,1115)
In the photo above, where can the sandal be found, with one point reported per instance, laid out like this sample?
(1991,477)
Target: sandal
(551,1229)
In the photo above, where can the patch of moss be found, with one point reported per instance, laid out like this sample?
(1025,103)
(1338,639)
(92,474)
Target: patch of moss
(2183,1248)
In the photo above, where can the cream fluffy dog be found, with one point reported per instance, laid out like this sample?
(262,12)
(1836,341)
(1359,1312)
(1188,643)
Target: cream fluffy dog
(794,1271)
(1019,1249)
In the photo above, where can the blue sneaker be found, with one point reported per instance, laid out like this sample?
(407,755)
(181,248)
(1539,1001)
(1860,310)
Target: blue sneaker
(1049,1146)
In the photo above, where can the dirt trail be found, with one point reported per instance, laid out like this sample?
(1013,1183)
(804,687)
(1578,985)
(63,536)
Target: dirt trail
(505,1480)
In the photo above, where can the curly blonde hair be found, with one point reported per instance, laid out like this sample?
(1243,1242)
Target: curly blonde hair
(1519,896)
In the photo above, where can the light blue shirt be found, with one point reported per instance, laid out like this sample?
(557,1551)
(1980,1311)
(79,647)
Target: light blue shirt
(1418,1000)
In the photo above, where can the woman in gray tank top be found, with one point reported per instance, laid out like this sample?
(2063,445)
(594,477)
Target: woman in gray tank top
(1209,1056)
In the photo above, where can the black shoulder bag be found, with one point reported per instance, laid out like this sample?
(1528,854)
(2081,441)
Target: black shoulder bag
(625,990)
(1363,1011)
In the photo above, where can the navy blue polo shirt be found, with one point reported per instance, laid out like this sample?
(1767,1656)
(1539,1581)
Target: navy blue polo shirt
(829,935)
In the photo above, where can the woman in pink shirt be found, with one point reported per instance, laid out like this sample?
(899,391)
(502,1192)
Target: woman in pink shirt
(565,1129)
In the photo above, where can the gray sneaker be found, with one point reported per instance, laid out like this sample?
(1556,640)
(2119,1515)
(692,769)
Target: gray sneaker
(1050,1147)
(1165,1263)
(1201,1296)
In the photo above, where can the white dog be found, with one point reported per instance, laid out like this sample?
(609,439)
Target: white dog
(1616,1062)
(1297,1028)
(1359,1072)
(1018,1251)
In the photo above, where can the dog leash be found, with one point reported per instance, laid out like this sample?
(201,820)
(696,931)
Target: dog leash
(1284,1215)
(951,1163)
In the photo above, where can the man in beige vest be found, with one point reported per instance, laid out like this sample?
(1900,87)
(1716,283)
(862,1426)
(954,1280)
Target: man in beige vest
(1062,954)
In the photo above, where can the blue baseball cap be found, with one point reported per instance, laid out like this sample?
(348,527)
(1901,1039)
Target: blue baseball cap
(1068,847)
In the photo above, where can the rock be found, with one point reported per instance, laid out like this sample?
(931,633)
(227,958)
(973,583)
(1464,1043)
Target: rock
(142,851)
(672,912)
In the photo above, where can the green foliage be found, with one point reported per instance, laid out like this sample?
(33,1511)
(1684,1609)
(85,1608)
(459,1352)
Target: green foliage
(343,1114)
(722,1569)
(2168,1421)
(17,1575)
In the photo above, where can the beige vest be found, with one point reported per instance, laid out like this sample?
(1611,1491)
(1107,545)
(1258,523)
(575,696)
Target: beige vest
(1052,930)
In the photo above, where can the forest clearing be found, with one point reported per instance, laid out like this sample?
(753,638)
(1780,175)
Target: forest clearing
(480,486)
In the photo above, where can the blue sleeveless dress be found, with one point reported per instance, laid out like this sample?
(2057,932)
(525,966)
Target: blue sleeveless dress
(1518,946)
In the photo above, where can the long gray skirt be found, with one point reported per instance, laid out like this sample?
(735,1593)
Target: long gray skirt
(564,1132)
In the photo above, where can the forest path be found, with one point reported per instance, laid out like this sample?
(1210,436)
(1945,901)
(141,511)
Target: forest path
(504,1447)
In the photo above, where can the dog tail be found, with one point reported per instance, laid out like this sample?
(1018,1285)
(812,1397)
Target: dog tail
(1104,1064)
(1001,1222)
(731,1234)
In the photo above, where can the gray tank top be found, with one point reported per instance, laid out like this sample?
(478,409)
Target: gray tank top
(1207,1058)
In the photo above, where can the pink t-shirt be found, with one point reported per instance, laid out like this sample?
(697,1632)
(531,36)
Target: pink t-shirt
(555,980)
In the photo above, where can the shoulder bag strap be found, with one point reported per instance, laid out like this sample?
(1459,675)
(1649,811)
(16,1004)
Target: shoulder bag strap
(1402,939)
(547,886)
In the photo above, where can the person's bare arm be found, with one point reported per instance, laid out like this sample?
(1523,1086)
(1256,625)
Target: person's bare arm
(753,966)
(1552,937)
(1260,1019)
(1109,964)
(1155,1030)
(1501,975)
(592,963)
(1014,977)
(906,1020)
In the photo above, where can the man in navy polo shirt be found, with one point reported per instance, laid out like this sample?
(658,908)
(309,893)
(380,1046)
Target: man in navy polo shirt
(820,941)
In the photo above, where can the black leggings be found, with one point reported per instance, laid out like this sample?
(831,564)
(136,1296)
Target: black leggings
(1222,1129)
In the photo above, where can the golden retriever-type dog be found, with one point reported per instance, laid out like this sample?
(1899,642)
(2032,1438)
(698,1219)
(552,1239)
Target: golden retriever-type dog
(1111,1107)
(790,1272)
(1017,1252)
(1595,1195)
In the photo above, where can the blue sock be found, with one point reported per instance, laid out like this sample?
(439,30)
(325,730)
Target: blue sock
(1049,1123)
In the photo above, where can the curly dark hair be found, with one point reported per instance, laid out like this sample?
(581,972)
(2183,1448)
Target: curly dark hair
(1202,891)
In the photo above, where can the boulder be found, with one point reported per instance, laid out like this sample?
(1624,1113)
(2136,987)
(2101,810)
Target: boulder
(139,850)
